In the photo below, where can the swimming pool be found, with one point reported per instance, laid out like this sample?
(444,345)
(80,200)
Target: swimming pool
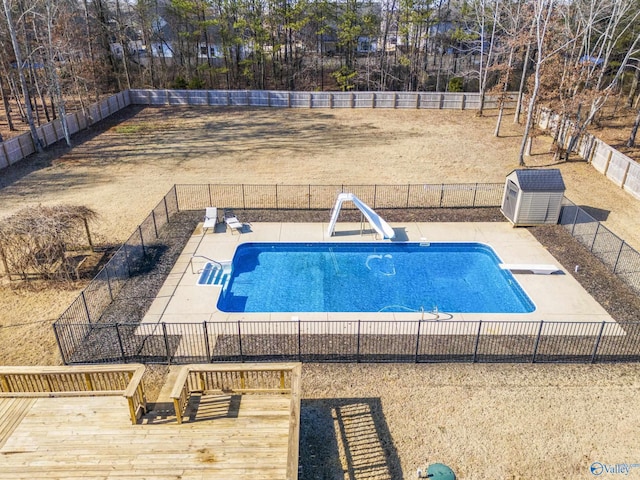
(370,277)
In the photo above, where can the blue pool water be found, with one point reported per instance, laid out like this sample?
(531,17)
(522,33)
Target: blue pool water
(370,277)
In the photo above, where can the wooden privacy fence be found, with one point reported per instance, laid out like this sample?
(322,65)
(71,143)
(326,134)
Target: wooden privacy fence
(15,149)
(619,168)
(77,381)
(616,166)
(292,99)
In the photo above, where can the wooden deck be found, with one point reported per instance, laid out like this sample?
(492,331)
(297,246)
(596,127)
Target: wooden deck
(226,437)
(238,421)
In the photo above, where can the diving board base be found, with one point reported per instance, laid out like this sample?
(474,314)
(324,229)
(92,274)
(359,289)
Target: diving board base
(532,268)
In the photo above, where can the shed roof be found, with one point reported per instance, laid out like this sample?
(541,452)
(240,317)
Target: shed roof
(547,180)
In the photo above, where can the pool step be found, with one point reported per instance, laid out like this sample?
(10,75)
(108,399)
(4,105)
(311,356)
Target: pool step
(212,274)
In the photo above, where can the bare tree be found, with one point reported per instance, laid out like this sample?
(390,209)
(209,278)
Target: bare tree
(50,12)
(592,82)
(20,68)
(512,41)
(548,42)
(487,15)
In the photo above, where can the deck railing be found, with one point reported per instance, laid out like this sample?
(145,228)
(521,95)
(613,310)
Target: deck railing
(230,378)
(77,381)
(245,378)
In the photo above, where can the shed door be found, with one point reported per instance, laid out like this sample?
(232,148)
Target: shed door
(510,201)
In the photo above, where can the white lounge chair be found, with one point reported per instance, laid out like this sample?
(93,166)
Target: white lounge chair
(210,219)
(232,221)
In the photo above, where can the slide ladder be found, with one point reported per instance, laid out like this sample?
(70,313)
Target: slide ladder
(378,224)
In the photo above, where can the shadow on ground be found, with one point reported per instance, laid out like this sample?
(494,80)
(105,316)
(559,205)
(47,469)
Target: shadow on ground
(597,213)
(58,150)
(346,438)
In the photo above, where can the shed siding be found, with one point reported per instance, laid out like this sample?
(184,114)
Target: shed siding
(538,207)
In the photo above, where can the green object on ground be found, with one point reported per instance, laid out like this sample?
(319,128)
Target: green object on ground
(439,471)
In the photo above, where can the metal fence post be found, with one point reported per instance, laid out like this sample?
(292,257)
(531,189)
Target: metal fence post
(155,225)
(575,219)
(240,342)
(276,196)
(615,266)
(106,271)
(144,250)
(408,193)
(244,203)
(126,257)
(166,342)
(166,208)
(441,193)
(475,193)
(358,344)
(595,347)
(375,195)
(122,354)
(175,193)
(62,352)
(475,348)
(206,341)
(299,341)
(418,341)
(535,347)
(86,308)
(595,236)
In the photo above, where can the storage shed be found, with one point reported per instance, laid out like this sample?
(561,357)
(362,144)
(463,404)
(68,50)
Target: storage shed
(533,197)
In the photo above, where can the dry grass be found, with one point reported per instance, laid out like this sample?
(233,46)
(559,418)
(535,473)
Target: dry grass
(487,421)
(484,421)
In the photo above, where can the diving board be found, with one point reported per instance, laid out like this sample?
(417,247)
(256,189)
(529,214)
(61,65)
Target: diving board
(533,268)
(378,224)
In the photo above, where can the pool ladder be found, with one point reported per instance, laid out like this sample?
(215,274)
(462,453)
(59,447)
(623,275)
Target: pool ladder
(219,264)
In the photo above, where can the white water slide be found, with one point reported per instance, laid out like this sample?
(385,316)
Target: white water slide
(378,224)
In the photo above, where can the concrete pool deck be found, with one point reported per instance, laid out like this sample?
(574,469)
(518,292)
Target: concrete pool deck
(557,297)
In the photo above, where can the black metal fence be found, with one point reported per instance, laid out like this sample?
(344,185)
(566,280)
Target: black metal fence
(319,197)
(84,334)
(359,341)
(614,252)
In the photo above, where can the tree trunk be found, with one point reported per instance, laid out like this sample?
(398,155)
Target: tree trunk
(504,93)
(92,59)
(632,137)
(53,75)
(525,63)
(7,108)
(634,87)
(23,80)
(16,96)
(529,123)
(122,39)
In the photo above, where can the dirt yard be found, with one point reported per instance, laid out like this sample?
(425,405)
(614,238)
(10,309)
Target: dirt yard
(488,421)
